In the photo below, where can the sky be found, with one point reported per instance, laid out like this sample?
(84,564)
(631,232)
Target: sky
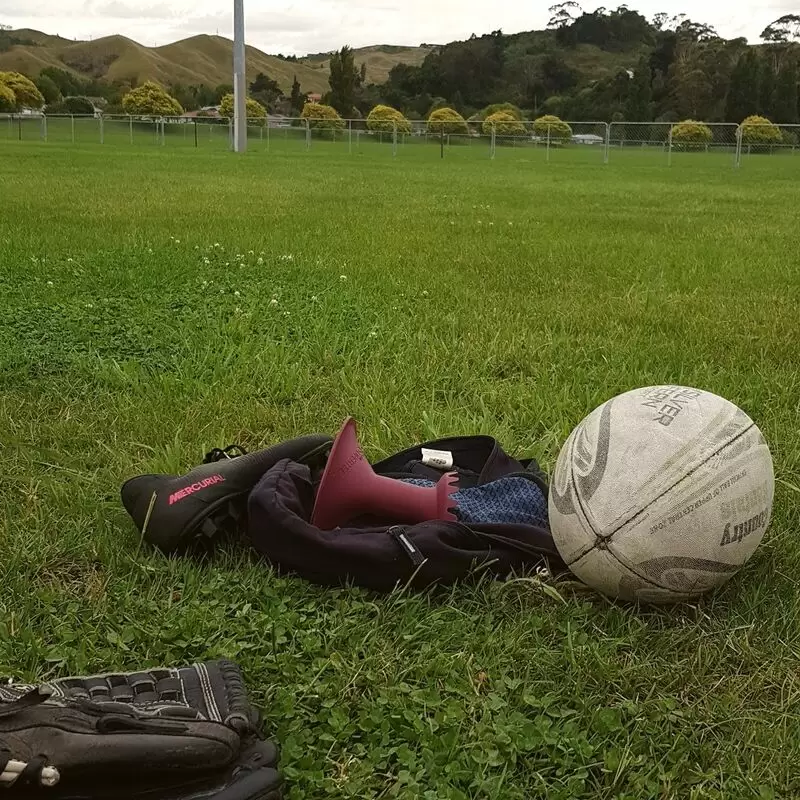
(309,26)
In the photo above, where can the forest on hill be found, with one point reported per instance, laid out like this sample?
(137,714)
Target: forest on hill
(600,65)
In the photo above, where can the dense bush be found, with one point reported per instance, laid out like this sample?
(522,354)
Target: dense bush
(26,95)
(322,117)
(254,109)
(71,105)
(760,131)
(504,124)
(691,135)
(508,108)
(447,120)
(385,118)
(151,100)
(552,126)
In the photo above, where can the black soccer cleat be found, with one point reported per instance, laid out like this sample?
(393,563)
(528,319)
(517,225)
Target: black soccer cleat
(172,511)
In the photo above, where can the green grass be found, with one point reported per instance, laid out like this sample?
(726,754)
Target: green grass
(161,301)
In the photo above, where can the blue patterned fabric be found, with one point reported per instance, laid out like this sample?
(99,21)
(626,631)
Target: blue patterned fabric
(510,500)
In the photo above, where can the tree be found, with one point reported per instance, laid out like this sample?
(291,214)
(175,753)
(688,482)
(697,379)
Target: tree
(48,88)
(68,84)
(784,107)
(691,135)
(384,118)
(447,120)
(553,128)
(363,73)
(785,29)
(254,109)
(78,105)
(640,93)
(25,92)
(766,88)
(344,81)
(743,93)
(503,124)
(265,90)
(758,130)
(151,100)
(8,100)
(322,117)
(563,15)
(297,99)
(220,92)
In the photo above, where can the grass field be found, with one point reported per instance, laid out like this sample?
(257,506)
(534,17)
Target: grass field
(162,301)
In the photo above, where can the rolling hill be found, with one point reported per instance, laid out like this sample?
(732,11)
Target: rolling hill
(198,59)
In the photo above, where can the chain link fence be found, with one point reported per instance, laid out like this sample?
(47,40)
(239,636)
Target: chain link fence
(664,143)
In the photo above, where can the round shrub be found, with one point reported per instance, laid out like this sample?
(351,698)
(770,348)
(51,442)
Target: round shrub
(227,108)
(509,108)
(383,119)
(552,126)
(447,120)
(25,92)
(760,131)
(322,117)
(151,100)
(691,135)
(504,124)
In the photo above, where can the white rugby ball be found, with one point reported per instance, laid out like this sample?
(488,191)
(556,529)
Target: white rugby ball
(661,494)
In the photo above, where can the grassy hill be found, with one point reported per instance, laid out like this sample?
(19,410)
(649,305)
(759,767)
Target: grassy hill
(199,59)
(379,58)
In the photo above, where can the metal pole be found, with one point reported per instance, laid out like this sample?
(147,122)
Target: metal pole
(350,136)
(268,134)
(19,122)
(102,131)
(608,144)
(738,160)
(195,132)
(72,126)
(394,138)
(130,122)
(669,150)
(308,135)
(44,127)
(493,144)
(239,78)
(441,137)
(548,142)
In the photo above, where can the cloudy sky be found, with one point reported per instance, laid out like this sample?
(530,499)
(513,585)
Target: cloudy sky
(308,26)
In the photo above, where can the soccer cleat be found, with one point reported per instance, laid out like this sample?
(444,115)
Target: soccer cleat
(172,511)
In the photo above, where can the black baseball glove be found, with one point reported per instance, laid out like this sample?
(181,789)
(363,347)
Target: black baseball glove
(185,733)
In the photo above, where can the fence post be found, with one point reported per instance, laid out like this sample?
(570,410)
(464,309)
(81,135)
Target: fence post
(308,135)
(548,142)
(394,138)
(669,147)
(102,131)
(72,126)
(268,133)
(19,124)
(230,133)
(195,132)
(738,160)
(130,125)
(44,128)
(163,132)
(350,137)
(607,143)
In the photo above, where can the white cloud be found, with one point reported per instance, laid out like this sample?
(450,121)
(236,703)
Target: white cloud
(303,26)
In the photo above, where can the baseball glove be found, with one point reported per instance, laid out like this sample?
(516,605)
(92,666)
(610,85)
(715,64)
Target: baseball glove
(185,733)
